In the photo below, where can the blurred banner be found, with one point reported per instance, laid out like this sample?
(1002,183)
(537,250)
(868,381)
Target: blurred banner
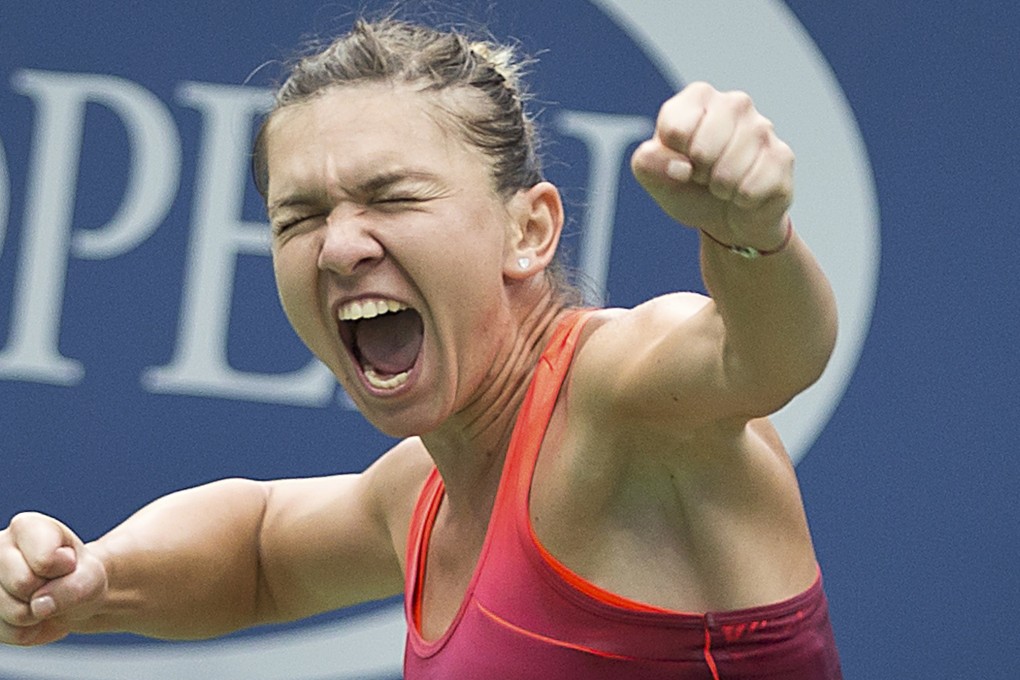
(142,346)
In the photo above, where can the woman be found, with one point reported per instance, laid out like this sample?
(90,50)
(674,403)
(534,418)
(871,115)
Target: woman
(577,493)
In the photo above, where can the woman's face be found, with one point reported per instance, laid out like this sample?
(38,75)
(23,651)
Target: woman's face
(389,245)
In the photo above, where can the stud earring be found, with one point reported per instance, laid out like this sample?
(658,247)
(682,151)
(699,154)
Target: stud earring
(523,262)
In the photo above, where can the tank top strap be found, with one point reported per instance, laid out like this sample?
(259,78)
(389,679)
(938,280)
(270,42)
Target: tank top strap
(536,410)
(422,520)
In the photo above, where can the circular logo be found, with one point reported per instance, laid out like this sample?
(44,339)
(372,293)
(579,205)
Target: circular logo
(757,47)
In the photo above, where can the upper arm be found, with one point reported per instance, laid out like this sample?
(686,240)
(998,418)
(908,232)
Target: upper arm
(330,542)
(663,360)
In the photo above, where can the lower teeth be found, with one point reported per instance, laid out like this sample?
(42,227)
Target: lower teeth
(385,383)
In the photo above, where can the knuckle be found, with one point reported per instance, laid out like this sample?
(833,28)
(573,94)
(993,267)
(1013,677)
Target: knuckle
(672,134)
(23,519)
(39,564)
(785,155)
(700,87)
(677,140)
(727,172)
(739,101)
(16,578)
(667,110)
(700,153)
(745,196)
(723,182)
(765,130)
(753,190)
(22,585)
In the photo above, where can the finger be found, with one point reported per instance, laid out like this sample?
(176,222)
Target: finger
(16,577)
(713,135)
(73,595)
(752,135)
(770,179)
(653,163)
(15,612)
(45,543)
(681,115)
(19,635)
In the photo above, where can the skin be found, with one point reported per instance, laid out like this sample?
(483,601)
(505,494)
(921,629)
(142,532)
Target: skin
(658,444)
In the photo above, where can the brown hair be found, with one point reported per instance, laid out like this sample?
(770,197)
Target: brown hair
(492,118)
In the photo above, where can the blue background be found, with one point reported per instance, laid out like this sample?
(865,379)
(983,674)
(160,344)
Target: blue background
(911,488)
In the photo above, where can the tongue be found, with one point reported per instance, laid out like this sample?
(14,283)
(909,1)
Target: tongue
(390,343)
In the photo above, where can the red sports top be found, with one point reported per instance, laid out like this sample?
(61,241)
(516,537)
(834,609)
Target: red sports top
(526,616)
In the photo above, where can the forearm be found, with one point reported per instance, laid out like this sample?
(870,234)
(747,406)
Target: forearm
(779,319)
(185,566)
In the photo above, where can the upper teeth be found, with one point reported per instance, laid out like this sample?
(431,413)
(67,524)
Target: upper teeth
(368,309)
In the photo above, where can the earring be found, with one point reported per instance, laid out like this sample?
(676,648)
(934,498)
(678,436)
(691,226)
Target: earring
(523,262)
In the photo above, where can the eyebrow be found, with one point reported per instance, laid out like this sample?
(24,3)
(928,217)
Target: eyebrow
(369,186)
(387,179)
(294,200)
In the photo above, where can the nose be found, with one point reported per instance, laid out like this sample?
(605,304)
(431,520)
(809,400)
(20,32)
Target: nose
(349,244)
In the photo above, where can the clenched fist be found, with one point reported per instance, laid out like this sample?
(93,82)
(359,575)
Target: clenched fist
(48,580)
(716,164)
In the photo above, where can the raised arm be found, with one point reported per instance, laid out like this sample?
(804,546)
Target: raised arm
(212,559)
(769,326)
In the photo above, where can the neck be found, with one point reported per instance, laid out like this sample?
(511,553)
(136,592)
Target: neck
(470,448)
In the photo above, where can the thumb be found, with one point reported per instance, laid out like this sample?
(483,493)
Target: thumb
(655,164)
(74,595)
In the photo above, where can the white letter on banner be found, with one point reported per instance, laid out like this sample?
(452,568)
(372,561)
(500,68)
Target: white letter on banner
(32,353)
(5,196)
(607,137)
(219,236)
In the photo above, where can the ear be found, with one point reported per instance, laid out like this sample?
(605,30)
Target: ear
(534,233)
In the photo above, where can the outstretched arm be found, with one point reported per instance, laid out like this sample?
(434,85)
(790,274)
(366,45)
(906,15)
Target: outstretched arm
(184,566)
(769,327)
(210,560)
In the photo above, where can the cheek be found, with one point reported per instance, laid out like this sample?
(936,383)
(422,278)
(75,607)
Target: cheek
(474,252)
(296,286)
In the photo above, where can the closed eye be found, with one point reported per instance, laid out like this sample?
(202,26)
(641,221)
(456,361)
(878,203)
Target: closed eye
(397,202)
(281,227)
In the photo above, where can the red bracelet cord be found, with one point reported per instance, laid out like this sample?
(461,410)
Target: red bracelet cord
(751,253)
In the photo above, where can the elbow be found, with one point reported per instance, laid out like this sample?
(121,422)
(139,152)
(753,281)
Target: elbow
(767,395)
(769,385)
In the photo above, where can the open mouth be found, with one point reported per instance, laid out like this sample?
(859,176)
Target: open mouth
(384,337)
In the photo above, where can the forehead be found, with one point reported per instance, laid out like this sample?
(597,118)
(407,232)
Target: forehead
(348,132)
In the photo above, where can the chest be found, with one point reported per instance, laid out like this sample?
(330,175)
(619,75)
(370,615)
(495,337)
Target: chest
(580,514)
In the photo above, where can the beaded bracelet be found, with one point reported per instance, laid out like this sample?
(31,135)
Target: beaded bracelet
(749,253)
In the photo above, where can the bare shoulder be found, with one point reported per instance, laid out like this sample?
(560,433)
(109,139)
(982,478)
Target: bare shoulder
(394,483)
(400,472)
(614,325)
(646,355)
